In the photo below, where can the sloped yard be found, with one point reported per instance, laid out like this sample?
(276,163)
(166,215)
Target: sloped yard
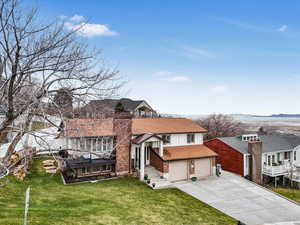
(119,201)
(287,192)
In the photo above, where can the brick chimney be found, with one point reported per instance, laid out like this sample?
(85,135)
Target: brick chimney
(255,149)
(122,128)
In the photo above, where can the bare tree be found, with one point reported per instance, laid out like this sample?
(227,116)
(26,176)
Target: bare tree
(220,125)
(37,61)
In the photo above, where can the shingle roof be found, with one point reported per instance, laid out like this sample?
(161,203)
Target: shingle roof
(104,126)
(110,104)
(164,125)
(270,143)
(89,127)
(187,152)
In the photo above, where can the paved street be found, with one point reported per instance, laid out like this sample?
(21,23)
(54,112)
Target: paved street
(242,199)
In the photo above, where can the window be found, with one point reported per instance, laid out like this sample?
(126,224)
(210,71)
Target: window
(94,145)
(95,169)
(278,157)
(286,155)
(82,143)
(295,155)
(85,170)
(104,144)
(75,143)
(190,138)
(166,138)
(266,159)
(88,144)
(269,160)
(99,144)
(273,159)
(107,144)
(106,168)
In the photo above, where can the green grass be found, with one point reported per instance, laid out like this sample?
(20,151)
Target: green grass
(118,201)
(289,193)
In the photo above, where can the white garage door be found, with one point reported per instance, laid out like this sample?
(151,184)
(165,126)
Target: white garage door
(203,167)
(178,170)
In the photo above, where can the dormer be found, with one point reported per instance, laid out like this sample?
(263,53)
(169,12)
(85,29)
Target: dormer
(249,137)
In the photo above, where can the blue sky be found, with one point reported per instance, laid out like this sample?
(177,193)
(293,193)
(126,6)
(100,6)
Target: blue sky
(196,57)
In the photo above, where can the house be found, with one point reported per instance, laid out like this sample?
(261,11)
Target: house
(107,107)
(107,147)
(277,154)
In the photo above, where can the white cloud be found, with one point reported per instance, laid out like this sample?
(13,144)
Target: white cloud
(88,29)
(77,18)
(218,89)
(177,79)
(92,30)
(283,28)
(162,73)
(196,52)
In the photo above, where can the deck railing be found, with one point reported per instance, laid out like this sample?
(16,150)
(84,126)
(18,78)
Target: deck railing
(275,170)
(295,175)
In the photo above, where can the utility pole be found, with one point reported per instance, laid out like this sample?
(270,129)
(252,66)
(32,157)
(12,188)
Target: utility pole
(26,205)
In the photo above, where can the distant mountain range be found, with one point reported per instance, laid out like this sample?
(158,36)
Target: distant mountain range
(273,115)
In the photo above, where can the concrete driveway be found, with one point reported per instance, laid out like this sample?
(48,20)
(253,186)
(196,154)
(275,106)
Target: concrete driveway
(242,200)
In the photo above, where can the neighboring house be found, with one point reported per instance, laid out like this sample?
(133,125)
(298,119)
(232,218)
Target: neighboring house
(45,141)
(107,107)
(122,145)
(278,153)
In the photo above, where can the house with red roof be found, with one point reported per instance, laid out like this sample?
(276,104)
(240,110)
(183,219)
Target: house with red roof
(107,147)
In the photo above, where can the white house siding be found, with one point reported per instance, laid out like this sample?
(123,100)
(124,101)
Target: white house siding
(297,150)
(276,156)
(181,139)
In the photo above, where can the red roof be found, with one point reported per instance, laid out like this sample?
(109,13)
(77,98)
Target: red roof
(164,125)
(187,152)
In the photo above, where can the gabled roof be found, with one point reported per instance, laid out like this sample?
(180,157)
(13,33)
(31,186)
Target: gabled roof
(105,126)
(270,143)
(164,125)
(187,152)
(89,127)
(144,137)
(110,104)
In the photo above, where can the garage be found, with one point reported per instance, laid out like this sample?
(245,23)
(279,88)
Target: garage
(203,167)
(178,170)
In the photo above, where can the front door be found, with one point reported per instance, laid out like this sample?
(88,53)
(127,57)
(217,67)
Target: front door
(147,155)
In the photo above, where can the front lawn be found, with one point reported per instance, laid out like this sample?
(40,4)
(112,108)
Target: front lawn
(118,201)
(289,193)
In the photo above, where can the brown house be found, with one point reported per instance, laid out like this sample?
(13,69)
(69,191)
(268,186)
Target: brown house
(173,147)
